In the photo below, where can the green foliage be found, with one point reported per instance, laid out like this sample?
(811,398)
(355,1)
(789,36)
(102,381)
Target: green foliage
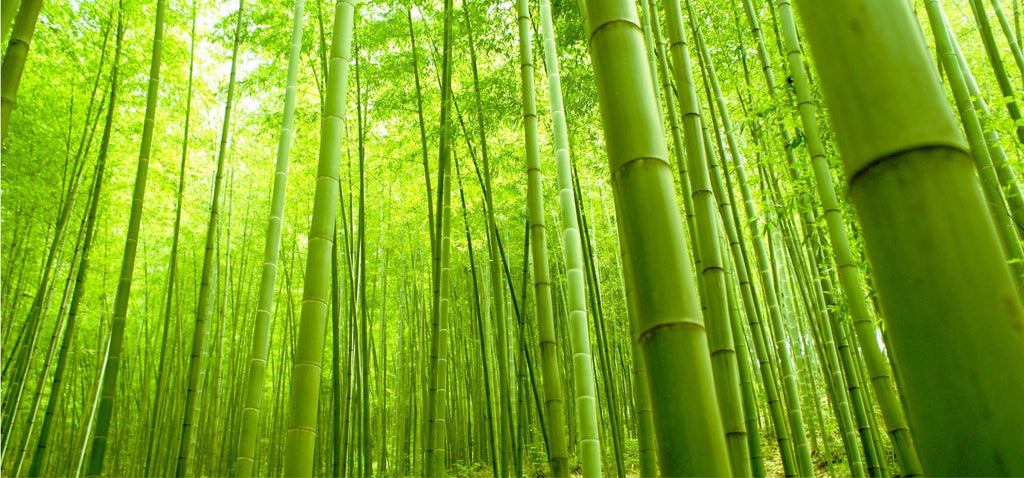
(69,66)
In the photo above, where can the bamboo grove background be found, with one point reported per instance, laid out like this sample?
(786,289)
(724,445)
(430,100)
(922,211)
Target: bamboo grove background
(550,238)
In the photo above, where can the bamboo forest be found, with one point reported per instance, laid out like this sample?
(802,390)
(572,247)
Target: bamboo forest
(529,238)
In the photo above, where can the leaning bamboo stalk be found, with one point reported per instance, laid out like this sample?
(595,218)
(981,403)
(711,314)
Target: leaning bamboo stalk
(934,249)
(691,439)
(112,364)
(308,351)
(849,273)
(13,65)
(249,427)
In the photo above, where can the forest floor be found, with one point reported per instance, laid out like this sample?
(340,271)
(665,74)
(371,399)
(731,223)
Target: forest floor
(536,466)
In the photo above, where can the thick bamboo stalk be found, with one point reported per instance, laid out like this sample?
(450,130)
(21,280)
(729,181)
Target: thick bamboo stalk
(308,356)
(927,234)
(436,432)
(13,66)
(849,273)
(691,439)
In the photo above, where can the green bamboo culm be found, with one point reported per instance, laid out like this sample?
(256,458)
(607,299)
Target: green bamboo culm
(979,148)
(753,440)
(553,394)
(13,65)
(849,273)
(7,12)
(952,312)
(705,239)
(646,441)
(790,387)
(721,184)
(42,445)
(1011,38)
(723,192)
(691,438)
(188,422)
(154,440)
(308,354)
(759,333)
(436,432)
(579,335)
(253,394)
(108,386)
